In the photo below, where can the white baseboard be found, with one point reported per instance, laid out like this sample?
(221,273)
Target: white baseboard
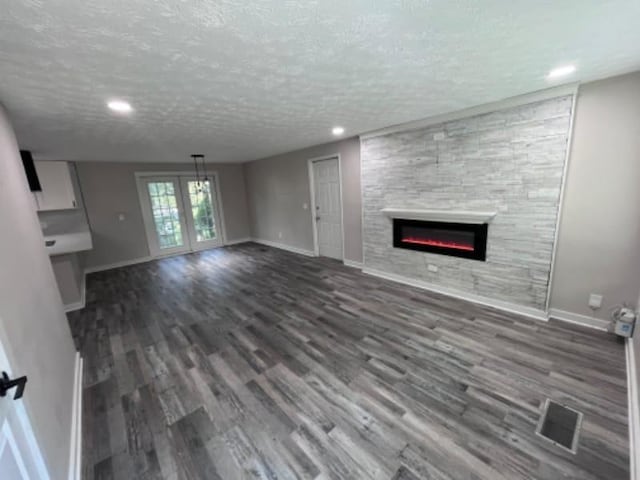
(238,240)
(282,246)
(75,452)
(126,263)
(351,263)
(579,319)
(79,305)
(634,410)
(500,305)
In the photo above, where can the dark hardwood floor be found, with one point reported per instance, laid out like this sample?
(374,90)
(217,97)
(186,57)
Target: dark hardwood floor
(248,362)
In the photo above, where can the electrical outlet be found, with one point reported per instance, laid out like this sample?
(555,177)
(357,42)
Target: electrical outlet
(279,234)
(305,206)
(432,268)
(595,301)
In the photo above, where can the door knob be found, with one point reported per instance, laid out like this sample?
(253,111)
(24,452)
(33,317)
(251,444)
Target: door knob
(7,384)
(317,218)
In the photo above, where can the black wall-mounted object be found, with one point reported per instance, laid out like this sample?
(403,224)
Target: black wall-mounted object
(30,171)
(466,240)
(7,384)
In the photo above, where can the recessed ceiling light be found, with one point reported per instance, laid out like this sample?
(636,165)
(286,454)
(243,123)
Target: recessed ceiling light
(337,130)
(120,106)
(561,71)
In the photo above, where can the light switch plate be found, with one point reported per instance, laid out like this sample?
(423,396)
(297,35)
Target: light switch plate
(432,268)
(595,301)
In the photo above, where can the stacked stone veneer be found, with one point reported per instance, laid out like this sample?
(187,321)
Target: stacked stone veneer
(510,161)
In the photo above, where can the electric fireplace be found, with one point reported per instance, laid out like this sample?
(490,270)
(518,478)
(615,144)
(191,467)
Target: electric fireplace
(467,240)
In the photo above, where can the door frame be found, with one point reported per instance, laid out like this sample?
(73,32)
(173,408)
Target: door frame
(141,176)
(312,190)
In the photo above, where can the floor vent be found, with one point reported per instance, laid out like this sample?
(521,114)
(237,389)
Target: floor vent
(560,425)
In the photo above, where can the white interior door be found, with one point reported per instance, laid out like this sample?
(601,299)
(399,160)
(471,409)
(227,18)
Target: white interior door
(20,457)
(163,212)
(328,206)
(202,212)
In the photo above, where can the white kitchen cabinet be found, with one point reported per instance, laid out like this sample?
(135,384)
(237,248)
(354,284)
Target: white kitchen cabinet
(57,189)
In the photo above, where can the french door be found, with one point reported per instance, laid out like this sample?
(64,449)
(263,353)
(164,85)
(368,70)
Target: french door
(181,214)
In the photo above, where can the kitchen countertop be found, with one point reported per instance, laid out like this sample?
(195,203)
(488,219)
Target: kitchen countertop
(67,233)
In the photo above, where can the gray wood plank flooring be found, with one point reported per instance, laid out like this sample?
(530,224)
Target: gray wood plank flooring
(248,362)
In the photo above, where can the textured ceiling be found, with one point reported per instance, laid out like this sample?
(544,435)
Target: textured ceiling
(239,80)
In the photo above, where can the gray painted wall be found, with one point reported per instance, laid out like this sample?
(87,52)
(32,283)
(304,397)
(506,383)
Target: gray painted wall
(509,161)
(109,189)
(277,188)
(33,326)
(69,273)
(599,236)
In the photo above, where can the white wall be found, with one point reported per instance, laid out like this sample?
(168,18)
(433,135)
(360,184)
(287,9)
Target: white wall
(598,248)
(33,327)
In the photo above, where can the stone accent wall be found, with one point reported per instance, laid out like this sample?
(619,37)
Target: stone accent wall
(510,161)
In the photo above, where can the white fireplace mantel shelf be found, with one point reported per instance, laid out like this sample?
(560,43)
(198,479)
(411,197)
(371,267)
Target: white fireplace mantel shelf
(451,216)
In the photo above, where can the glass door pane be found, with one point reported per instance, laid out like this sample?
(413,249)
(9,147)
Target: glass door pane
(203,221)
(166,216)
(202,210)
(163,211)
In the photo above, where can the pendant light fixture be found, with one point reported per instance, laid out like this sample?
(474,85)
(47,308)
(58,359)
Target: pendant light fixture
(195,157)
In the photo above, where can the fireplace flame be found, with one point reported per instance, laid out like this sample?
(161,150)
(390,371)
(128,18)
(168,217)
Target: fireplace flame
(438,243)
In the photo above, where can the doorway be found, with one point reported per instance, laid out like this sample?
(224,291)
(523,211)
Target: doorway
(326,206)
(181,213)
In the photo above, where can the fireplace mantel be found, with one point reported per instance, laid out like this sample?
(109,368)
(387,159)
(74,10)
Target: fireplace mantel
(451,216)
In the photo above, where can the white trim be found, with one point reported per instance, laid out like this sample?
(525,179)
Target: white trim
(454,216)
(125,263)
(362,227)
(310,161)
(312,207)
(500,305)
(634,409)
(569,89)
(584,320)
(563,182)
(75,452)
(237,241)
(351,263)
(79,305)
(282,246)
